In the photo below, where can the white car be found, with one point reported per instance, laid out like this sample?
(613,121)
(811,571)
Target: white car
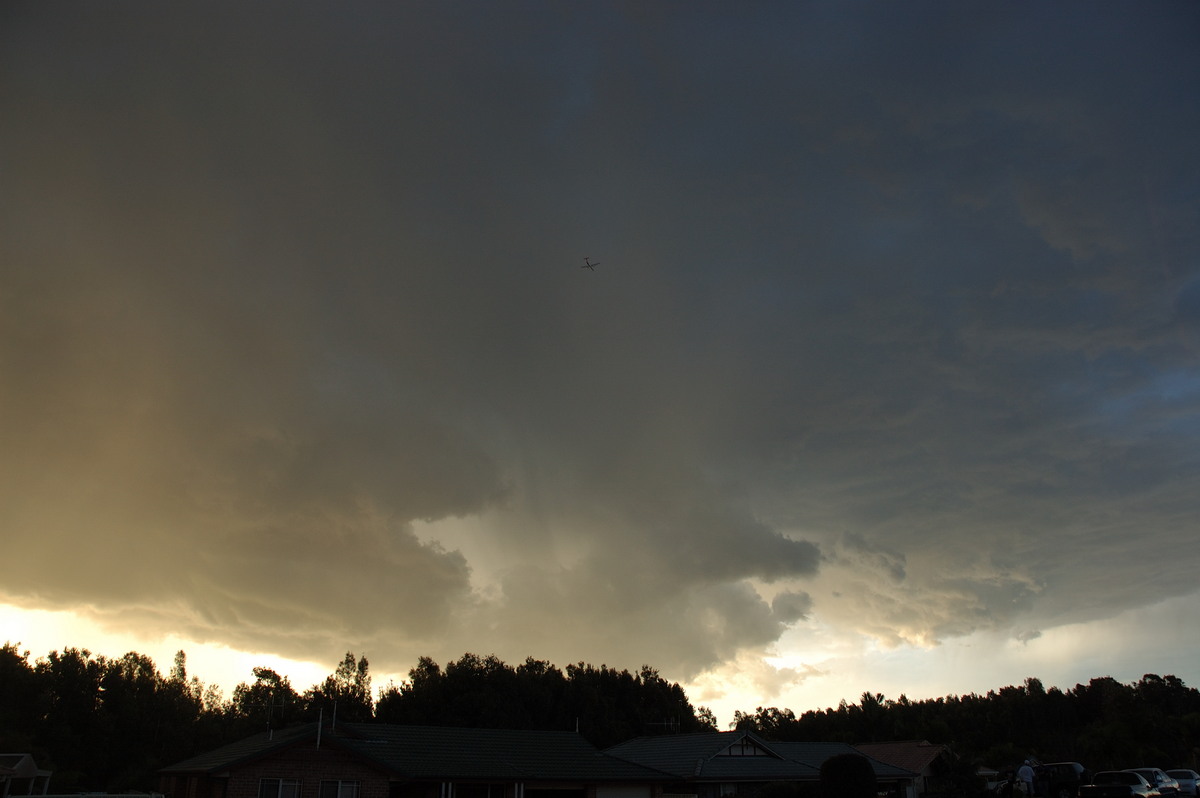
(1187,781)
(1166,785)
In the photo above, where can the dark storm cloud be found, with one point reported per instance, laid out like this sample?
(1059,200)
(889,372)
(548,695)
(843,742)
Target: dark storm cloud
(904,293)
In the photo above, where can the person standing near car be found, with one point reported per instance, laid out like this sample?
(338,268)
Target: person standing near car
(1025,777)
(1041,779)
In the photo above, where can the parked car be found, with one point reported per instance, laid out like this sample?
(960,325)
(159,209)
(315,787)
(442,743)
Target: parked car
(1003,784)
(1119,784)
(1187,781)
(1164,783)
(1060,779)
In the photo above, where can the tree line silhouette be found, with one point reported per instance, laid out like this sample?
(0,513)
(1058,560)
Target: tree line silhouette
(1103,724)
(110,723)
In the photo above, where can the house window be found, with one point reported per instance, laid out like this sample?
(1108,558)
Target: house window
(278,788)
(743,747)
(339,788)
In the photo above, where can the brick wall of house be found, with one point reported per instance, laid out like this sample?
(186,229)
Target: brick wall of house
(191,786)
(309,764)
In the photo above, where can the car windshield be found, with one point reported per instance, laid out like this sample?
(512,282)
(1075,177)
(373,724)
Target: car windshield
(1181,774)
(1114,777)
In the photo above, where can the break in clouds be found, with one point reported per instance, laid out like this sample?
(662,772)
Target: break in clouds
(896,323)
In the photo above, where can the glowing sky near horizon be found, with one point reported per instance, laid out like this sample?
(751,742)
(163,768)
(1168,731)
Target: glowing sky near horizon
(888,379)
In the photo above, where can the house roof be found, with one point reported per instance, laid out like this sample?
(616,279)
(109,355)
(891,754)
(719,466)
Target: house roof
(914,755)
(443,753)
(815,754)
(440,752)
(20,766)
(703,757)
(244,750)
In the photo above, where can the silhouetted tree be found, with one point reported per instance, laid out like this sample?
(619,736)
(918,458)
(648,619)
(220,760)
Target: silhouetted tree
(19,699)
(345,695)
(607,705)
(69,701)
(109,724)
(1103,724)
(268,703)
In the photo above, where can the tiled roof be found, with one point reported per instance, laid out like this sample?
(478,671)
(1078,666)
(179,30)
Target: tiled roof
(914,755)
(447,753)
(440,752)
(21,766)
(244,750)
(9,763)
(697,756)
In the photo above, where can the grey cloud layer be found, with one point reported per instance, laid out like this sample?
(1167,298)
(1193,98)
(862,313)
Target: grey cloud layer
(277,288)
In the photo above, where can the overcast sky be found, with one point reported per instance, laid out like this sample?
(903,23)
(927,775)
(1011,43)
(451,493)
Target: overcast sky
(888,378)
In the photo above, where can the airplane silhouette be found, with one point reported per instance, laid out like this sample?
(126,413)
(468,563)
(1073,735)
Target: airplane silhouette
(587,264)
